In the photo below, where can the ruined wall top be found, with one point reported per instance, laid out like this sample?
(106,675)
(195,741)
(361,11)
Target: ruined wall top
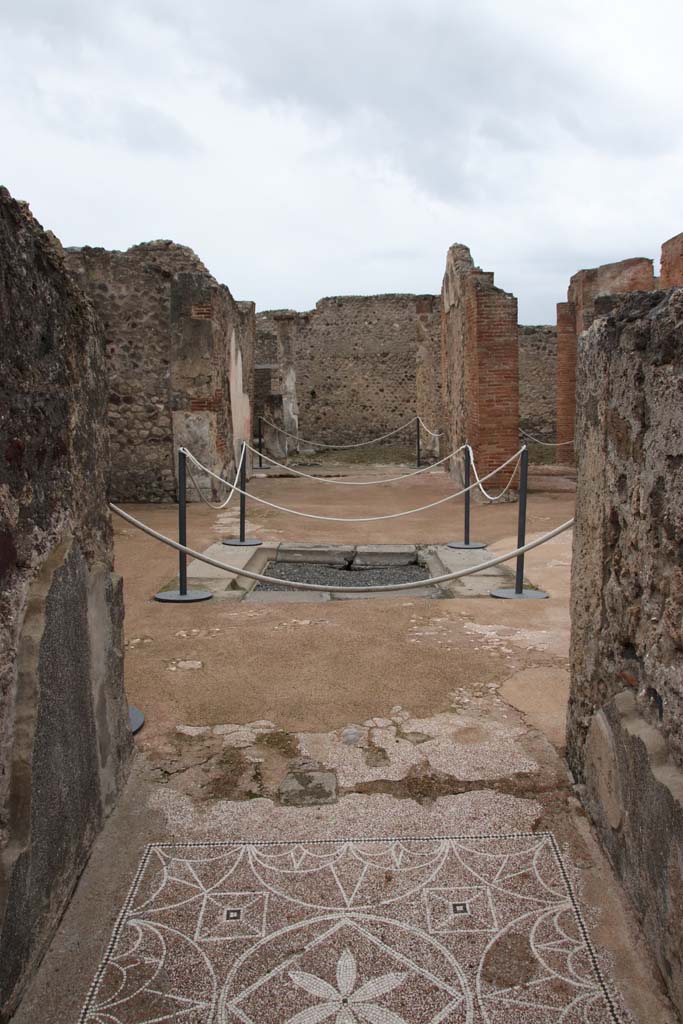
(672,262)
(632,275)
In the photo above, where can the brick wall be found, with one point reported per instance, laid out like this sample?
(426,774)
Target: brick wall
(672,262)
(479,358)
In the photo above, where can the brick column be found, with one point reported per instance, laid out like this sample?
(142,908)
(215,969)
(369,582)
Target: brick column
(672,263)
(495,350)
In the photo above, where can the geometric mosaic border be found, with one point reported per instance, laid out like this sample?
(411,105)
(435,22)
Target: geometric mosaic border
(455,913)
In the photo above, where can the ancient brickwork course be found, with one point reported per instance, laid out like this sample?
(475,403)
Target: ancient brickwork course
(625,732)
(347,368)
(479,363)
(672,263)
(537,381)
(64,735)
(576,315)
(180,356)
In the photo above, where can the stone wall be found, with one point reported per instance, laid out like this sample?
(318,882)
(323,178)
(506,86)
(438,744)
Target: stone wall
(479,347)
(61,666)
(625,725)
(537,381)
(179,362)
(576,315)
(347,369)
(429,403)
(672,263)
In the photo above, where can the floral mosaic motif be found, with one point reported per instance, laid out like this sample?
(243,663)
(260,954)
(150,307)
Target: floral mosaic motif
(467,930)
(350,1004)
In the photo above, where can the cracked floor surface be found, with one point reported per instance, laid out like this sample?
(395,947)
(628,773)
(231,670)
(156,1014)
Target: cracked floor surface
(436,719)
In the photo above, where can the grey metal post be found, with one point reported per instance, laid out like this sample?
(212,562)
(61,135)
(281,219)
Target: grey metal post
(467,543)
(182,595)
(242,541)
(260,442)
(182,521)
(519,592)
(521,519)
(468,495)
(417,441)
(243,493)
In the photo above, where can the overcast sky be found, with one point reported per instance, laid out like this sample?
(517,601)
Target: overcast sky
(320,147)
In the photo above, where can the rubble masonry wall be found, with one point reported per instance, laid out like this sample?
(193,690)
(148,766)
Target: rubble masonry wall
(625,723)
(180,356)
(62,704)
(347,368)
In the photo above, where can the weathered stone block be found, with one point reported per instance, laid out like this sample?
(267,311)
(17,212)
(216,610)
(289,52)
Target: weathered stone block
(634,794)
(368,555)
(321,554)
(308,784)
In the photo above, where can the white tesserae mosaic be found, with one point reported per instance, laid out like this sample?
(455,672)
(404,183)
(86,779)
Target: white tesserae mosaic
(459,929)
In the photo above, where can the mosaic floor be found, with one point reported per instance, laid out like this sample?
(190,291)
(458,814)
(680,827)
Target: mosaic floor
(483,930)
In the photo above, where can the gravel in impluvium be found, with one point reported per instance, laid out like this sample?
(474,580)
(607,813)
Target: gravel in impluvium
(336,576)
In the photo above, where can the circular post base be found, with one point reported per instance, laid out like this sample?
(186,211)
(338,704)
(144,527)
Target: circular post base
(460,545)
(175,597)
(235,542)
(136,719)
(511,594)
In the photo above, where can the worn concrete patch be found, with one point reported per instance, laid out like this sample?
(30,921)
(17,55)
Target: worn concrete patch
(541,694)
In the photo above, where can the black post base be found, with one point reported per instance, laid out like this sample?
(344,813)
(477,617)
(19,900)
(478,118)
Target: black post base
(136,719)
(235,542)
(510,594)
(471,545)
(175,597)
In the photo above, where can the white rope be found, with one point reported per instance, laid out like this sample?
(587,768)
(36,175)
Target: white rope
(321,444)
(357,519)
(355,483)
(483,490)
(296,585)
(433,433)
(232,486)
(546,444)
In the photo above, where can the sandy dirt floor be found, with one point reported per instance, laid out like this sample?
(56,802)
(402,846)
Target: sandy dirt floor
(433,718)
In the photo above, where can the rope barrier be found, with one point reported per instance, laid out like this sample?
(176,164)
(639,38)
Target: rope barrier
(546,444)
(483,490)
(321,444)
(357,519)
(233,486)
(432,433)
(355,483)
(296,585)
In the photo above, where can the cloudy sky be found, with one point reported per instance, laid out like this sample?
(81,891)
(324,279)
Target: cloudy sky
(319,147)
